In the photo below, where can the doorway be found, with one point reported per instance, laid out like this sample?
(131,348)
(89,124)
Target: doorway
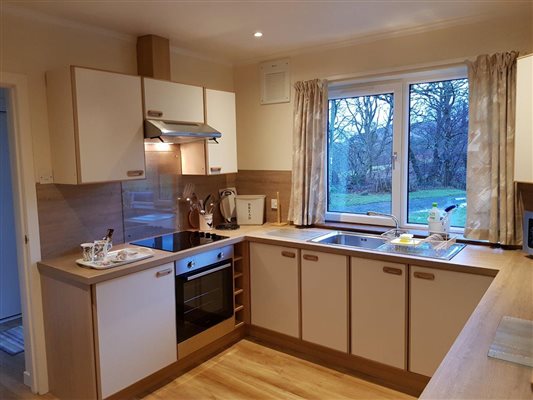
(12,358)
(30,370)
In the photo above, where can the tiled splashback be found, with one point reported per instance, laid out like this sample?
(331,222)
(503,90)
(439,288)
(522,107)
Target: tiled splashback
(150,206)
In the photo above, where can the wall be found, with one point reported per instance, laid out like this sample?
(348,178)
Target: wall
(265,131)
(31,45)
(9,287)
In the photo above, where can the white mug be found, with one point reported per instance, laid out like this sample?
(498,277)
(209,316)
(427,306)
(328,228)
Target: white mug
(206,222)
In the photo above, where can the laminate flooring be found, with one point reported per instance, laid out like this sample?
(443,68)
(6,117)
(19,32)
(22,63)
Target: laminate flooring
(248,370)
(245,371)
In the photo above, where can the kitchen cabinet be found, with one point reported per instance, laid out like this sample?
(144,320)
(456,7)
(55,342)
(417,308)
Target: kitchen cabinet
(379,308)
(440,304)
(96,126)
(136,326)
(523,171)
(210,157)
(105,337)
(274,288)
(325,299)
(171,101)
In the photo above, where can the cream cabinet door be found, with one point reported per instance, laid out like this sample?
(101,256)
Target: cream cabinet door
(379,309)
(136,327)
(220,114)
(524,120)
(96,125)
(325,299)
(110,126)
(173,101)
(440,304)
(274,288)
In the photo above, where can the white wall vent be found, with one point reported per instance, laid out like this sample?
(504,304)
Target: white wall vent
(275,82)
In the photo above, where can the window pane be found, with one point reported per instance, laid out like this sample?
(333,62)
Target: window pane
(438,135)
(359,154)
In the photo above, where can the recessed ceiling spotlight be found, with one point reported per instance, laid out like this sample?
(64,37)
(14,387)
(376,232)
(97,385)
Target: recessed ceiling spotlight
(258,34)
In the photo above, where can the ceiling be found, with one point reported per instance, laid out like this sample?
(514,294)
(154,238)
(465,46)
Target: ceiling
(223,30)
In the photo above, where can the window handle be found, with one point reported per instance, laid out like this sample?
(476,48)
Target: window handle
(394,158)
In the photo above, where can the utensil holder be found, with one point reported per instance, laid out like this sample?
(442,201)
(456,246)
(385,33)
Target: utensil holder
(206,222)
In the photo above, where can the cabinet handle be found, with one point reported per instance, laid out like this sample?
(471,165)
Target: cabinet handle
(424,275)
(154,113)
(215,169)
(167,271)
(393,271)
(137,172)
(310,257)
(289,254)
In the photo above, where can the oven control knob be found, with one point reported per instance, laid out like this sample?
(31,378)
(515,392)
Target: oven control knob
(220,256)
(190,264)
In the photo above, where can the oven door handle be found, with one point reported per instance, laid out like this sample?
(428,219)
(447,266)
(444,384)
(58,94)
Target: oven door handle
(190,278)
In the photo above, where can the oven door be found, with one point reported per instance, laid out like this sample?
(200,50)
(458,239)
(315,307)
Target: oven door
(204,298)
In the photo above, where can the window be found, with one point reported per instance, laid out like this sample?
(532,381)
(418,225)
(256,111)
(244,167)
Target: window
(397,146)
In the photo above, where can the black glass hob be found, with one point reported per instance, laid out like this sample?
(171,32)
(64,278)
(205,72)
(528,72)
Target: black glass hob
(178,241)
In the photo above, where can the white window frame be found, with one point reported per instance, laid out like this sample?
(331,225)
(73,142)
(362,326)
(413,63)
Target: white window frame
(399,86)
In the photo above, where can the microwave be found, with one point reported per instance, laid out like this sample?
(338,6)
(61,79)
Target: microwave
(528,232)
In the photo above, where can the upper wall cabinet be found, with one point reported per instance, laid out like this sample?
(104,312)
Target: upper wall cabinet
(96,126)
(523,170)
(171,101)
(210,157)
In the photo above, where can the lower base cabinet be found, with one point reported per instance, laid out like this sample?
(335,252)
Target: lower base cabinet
(379,311)
(104,337)
(440,304)
(274,288)
(325,299)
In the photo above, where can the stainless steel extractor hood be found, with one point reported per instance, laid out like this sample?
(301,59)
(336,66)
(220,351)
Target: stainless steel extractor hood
(178,132)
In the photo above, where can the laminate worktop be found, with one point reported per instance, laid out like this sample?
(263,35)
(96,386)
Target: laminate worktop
(466,371)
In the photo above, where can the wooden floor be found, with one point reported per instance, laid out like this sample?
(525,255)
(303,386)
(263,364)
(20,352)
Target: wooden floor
(248,371)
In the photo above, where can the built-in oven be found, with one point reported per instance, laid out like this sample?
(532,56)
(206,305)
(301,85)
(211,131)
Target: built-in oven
(204,291)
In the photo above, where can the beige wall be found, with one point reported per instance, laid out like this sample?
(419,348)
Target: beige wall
(31,46)
(265,132)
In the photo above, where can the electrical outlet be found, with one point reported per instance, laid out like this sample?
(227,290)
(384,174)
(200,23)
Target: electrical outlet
(46,176)
(274,204)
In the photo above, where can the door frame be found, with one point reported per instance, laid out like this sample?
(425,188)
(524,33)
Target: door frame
(26,229)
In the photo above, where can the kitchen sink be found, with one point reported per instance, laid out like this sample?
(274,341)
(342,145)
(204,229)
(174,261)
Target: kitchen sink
(382,245)
(351,240)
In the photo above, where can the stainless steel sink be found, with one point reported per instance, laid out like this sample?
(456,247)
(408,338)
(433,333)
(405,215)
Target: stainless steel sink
(350,240)
(382,245)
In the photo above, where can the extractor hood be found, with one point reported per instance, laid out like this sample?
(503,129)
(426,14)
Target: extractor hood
(153,60)
(178,132)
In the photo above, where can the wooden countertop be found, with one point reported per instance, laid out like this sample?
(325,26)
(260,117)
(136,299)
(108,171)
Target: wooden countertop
(466,372)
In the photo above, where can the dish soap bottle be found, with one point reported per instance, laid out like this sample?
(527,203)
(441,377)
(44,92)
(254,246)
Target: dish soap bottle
(434,220)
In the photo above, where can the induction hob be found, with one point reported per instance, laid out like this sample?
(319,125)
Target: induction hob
(177,241)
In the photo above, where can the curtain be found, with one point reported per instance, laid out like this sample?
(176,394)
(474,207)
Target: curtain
(308,198)
(492,213)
